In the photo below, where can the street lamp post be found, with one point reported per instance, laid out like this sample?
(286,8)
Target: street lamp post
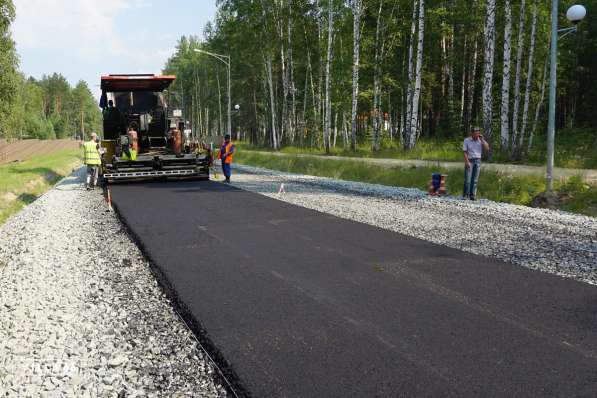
(575,14)
(225,59)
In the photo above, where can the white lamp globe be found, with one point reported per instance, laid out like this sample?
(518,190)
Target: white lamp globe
(576,13)
(237,107)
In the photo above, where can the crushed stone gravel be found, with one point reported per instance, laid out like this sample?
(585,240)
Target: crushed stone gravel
(81,313)
(551,241)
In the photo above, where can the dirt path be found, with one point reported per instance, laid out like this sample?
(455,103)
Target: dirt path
(589,175)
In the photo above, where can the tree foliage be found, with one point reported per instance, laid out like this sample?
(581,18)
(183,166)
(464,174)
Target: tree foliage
(278,51)
(48,108)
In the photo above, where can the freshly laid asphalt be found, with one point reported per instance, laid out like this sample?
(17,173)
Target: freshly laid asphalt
(297,303)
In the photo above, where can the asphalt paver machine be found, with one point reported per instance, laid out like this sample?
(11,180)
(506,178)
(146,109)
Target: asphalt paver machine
(142,136)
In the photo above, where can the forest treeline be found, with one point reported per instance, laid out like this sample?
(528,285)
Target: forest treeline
(366,72)
(46,108)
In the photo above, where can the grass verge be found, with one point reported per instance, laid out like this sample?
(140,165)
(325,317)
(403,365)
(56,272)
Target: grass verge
(494,186)
(22,183)
(575,148)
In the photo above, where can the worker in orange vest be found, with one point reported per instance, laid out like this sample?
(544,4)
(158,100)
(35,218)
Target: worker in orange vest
(225,155)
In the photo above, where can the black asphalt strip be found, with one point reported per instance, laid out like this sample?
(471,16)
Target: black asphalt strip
(297,303)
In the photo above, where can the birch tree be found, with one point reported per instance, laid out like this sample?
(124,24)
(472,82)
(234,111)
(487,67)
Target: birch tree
(488,69)
(328,79)
(538,107)
(505,110)
(414,123)
(517,78)
(357,10)
(376,80)
(527,93)
(410,87)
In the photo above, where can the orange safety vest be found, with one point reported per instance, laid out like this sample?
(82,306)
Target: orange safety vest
(226,148)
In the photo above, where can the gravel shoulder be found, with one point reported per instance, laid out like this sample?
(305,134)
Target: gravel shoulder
(550,241)
(82,314)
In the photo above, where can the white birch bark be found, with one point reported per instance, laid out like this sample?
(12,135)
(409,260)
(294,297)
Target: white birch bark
(376,82)
(463,87)
(471,87)
(270,81)
(328,80)
(357,10)
(414,124)
(488,69)
(519,55)
(409,91)
(505,110)
(335,129)
(219,105)
(538,107)
(527,93)
(292,87)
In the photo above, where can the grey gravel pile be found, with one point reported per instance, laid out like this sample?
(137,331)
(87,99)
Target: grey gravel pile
(82,315)
(552,241)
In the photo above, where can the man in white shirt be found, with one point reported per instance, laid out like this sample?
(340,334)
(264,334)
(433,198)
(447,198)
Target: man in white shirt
(473,147)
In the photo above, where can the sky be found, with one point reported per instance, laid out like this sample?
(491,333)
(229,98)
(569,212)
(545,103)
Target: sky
(84,39)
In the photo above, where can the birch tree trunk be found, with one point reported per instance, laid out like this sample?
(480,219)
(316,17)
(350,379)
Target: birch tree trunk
(357,10)
(376,82)
(335,129)
(471,87)
(463,87)
(488,70)
(292,87)
(519,55)
(414,124)
(409,91)
(328,80)
(538,107)
(527,93)
(505,110)
(219,105)
(270,83)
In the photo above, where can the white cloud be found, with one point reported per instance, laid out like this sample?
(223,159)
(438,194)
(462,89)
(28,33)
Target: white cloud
(84,26)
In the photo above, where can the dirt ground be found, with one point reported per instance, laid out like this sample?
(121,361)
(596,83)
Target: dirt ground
(25,149)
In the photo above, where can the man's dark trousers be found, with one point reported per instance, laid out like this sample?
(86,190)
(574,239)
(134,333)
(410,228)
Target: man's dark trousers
(226,169)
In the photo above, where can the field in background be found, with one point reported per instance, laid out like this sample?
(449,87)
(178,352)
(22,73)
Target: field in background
(22,182)
(21,150)
(494,186)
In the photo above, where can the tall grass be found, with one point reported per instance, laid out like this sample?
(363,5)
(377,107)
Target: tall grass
(23,182)
(575,148)
(492,185)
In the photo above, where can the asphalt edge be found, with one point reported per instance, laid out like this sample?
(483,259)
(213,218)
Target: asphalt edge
(224,373)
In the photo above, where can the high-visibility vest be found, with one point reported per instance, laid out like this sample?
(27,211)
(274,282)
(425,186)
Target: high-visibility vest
(226,148)
(133,155)
(91,154)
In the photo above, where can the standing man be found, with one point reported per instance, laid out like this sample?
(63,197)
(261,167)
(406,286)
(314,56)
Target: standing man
(92,160)
(473,150)
(225,155)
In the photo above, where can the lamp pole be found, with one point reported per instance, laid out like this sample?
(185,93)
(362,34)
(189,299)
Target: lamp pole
(225,59)
(551,122)
(575,14)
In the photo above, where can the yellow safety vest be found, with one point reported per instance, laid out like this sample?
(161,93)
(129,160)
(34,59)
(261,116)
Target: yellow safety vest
(133,155)
(91,154)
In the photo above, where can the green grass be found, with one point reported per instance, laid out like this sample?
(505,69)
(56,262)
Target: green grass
(23,182)
(495,186)
(575,148)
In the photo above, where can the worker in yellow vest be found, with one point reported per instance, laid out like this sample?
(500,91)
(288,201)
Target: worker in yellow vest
(129,151)
(91,158)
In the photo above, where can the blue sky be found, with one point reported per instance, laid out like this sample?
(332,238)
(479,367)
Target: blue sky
(83,39)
